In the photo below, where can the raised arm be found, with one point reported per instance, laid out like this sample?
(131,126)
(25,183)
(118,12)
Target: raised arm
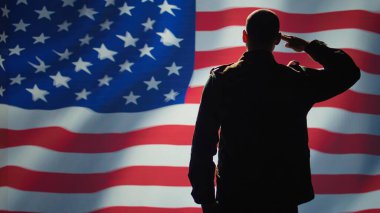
(339,73)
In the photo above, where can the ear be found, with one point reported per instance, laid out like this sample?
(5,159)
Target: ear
(278,39)
(245,36)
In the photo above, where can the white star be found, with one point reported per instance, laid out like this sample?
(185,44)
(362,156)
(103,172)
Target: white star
(89,12)
(3,37)
(40,39)
(64,55)
(2,90)
(22,1)
(173,69)
(148,25)
(109,2)
(169,39)
(37,93)
(125,9)
(16,50)
(41,67)
(64,26)
(21,26)
(104,81)
(68,3)
(5,11)
(146,51)
(166,7)
(17,79)
(131,98)
(82,65)
(104,53)
(44,13)
(85,40)
(126,66)
(152,84)
(82,94)
(128,39)
(171,95)
(146,0)
(106,25)
(1,62)
(60,80)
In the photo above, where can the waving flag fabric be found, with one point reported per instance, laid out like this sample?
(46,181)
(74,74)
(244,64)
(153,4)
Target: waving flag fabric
(98,100)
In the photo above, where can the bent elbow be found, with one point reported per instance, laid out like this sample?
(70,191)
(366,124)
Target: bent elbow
(357,74)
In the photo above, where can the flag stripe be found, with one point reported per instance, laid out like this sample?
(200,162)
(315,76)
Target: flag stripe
(59,139)
(163,176)
(142,209)
(213,40)
(364,103)
(64,141)
(368,211)
(203,59)
(45,160)
(14,177)
(329,142)
(170,197)
(291,6)
(342,202)
(290,22)
(319,117)
(367,84)
(345,184)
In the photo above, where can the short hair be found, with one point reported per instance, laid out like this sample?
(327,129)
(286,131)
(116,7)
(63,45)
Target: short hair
(262,26)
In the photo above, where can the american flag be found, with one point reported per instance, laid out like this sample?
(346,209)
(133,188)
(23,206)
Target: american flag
(98,100)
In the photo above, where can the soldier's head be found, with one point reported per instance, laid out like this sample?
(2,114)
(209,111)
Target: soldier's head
(262,30)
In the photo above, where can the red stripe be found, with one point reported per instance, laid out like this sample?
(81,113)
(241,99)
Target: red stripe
(366,61)
(29,180)
(4,211)
(368,211)
(59,139)
(342,184)
(334,143)
(130,209)
(63,140)
(290,22)
(349,100)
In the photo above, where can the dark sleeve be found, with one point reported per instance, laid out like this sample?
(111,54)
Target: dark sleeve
(339,73)
(204,147)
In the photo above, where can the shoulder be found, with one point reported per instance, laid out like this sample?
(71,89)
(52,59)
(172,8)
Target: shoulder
(224,69)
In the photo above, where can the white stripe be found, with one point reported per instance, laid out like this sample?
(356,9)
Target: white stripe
(367,84)
(342,203)
(40,159)
(152,196)
(200,77)
(82,120)
(292,6)
(343,121)
(334,164)
(158,196)
(228,37)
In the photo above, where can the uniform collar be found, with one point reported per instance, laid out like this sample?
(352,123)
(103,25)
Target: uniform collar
(258,56)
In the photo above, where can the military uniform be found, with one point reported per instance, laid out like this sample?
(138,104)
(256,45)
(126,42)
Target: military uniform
(260,108)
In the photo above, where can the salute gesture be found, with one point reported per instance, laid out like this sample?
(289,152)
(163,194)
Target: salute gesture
(295,43)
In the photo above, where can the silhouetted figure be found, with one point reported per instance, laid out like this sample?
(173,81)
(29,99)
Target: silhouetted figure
(260,108)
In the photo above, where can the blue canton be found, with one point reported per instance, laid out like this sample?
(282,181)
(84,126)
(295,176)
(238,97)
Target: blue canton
(108,56)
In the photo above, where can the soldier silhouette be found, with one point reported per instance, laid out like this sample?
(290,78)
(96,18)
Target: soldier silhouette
(260,108)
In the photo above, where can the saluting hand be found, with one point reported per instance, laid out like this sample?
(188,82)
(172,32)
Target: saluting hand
(295,43)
